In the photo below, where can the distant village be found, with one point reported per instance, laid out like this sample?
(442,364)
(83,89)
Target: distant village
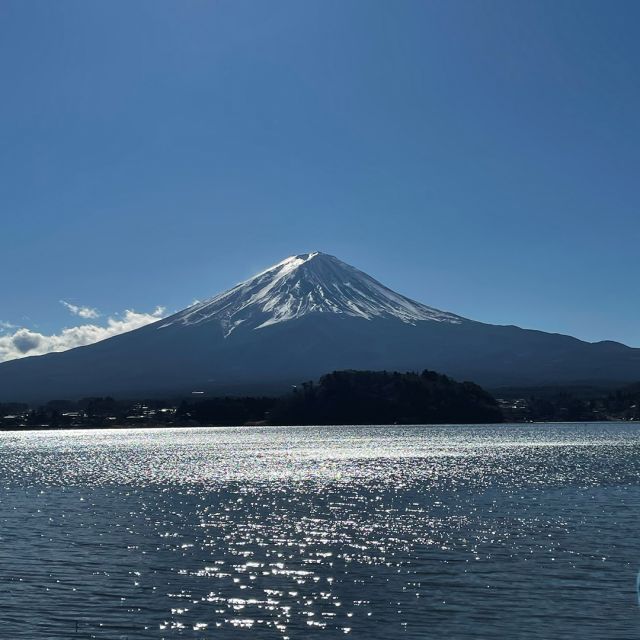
(580,406)
(107,412)
(87,415)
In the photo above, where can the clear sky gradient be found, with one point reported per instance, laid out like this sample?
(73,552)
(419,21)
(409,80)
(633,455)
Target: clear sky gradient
(480,157)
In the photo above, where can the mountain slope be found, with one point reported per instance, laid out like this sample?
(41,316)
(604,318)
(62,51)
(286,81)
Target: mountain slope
(305,316)
(302,285)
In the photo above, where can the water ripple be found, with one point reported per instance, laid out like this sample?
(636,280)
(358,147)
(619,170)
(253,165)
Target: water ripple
(459,532)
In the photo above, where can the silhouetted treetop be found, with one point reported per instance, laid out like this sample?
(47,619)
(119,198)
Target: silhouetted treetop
(381,397)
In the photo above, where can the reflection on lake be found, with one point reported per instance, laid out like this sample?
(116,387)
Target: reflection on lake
(526,531)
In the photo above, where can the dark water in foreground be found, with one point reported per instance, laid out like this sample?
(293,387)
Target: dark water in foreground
(376,532)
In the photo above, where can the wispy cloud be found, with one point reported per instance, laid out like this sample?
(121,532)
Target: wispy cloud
(5,326)
(84,312)
(26,342)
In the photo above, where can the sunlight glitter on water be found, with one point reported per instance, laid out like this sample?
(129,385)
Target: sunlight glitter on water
(520,531)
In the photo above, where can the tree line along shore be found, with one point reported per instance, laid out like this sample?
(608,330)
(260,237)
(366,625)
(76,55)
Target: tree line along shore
(341,397)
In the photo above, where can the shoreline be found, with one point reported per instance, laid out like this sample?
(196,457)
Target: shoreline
(121,427)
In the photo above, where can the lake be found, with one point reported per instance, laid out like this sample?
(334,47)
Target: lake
(512,531)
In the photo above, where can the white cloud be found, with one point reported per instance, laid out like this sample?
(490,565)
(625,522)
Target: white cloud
(25,342)
(84,312)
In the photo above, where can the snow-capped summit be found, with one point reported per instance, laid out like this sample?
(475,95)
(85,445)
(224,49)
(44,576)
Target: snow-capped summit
(305,284)
(308,315)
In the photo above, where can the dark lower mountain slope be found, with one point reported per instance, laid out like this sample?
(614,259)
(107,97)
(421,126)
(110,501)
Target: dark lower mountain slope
(162,358)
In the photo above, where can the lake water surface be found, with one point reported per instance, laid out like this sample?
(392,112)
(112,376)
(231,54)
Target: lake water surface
(528,531)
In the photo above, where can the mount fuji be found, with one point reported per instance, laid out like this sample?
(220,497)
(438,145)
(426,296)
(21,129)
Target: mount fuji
(303,317)
(303,285)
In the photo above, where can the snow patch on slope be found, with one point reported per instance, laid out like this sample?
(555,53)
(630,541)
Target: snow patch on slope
(305,284)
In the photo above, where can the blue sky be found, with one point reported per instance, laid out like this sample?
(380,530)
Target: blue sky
(480,157)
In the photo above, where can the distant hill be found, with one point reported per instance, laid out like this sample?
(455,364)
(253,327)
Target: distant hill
(379,397)
(306,315)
